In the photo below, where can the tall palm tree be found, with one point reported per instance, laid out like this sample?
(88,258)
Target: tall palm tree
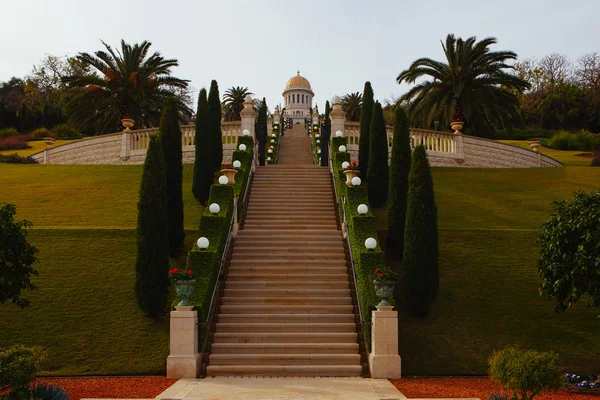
(472,85)
(124,83)
(351,104)
(233,102)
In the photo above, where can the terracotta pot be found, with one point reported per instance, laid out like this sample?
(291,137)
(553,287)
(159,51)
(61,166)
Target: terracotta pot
(384,290)
(457,126)
(184,290)
(350,174)
(230,174)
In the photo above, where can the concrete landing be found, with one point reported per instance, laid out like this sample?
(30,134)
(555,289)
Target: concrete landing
(244,388)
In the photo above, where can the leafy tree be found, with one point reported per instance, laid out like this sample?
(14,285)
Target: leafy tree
(152,262)
(366,112)
(378,170)
(569,262)
(170,135)
(16,258)
(351,106)
(126,82)
(23,118)
(398,188)
(214,121)
(421,277)
(233,102)
(203,164)
(526,373)
(472,86)
(11,97)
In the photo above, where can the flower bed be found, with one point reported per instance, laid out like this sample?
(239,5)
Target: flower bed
(115,388)
(589,384)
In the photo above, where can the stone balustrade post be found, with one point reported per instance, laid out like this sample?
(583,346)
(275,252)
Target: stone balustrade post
(384,361)
(337,116)
(248,116)
(126,139)
(184,360)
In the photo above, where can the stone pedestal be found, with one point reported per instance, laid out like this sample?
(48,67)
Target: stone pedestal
(337,116)
(384,361)
(126,144)
(248,116)
(184,360)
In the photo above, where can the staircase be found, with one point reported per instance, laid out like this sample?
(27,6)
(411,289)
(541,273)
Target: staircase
(287,307)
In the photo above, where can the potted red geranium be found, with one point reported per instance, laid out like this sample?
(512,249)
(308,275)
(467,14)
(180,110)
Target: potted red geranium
(229,172)
(457,124)
(351,172)
(184,284)
(127,122)
(385,280)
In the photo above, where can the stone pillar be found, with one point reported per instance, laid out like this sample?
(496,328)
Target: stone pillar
(46,155)
(338,117)
(248,116)
(315,116)
(126,139)
(269,127)
(384,361)
(184,360)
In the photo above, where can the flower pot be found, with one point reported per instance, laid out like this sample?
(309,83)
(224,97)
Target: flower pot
(127,123)
(534,144)
(49,140)
(351,173)
(230,174)
(384,290)
(457,126)
(184,290)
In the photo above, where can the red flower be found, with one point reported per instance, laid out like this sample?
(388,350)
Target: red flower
(575,217)
(176,270)
(377,271)
(354,164)
(381,275)
(227,166)
(189,271)
(170,271)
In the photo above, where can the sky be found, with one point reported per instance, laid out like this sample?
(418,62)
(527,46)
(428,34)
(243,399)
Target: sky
(259,44)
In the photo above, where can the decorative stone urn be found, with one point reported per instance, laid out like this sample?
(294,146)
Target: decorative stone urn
(49,140)
(457,126)
(384,290)
(184,290)
(350,174)
(127,123)
(230,174)
(534,144)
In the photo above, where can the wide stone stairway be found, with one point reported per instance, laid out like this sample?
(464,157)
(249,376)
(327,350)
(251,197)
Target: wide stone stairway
(287,308)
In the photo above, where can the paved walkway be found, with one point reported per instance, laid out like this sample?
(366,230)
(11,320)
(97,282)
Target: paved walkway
(240,388)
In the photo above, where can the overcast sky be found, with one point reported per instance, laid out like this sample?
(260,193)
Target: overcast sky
(336,45)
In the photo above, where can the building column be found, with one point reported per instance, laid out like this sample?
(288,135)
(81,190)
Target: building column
(184,360)
(337,116)
(384,361)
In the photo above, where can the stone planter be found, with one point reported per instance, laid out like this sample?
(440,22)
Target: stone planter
(384,290)
(127,123)
(230,174)
(350,174)
(534,144)
(457,126)
(184,290)
(49,141)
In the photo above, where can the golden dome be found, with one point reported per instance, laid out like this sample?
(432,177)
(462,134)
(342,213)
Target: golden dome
(298,82)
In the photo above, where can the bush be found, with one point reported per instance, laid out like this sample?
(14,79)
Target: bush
(526,373)
(16,159)
(378,169)
(6,132)
(41,133)
(14,142)
(596,159)
(64,131)
(48,392)
(524,134)
(582,141)
(203,163)
(366,113)
(19,365)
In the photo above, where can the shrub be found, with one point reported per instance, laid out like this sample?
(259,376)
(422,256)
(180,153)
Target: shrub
(41,133)
(19,365)
(203,164)
(65,131)
(378,170)
(48,392)
(16,159)
(366,113)
(14,142)
(6,132)
(526,373)
(596,159)
(524,134)
(214,123)
(582,141)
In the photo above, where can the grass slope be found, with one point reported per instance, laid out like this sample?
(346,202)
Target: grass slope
(34,147)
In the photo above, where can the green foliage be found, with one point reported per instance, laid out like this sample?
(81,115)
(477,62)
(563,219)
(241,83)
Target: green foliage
(398,186)
(569,262)
(523,134)
(366,113)
(421,276)
(170,135)
(526,373)
(65,131)
(19,365)
(6,132)
(336,142)
(48,392)
(16,159)
(152,262)
(378,169)
(203,163)
(16,258)
(233,102)
(583,140)
(214,125)
(351,104)
(23,118)
(42,133)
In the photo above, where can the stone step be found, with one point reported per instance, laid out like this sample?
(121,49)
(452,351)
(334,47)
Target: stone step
(284,348)
(297,263)
(286,309)
(290,217)
(277,212)
(285,337)
(282,318)
(286,208)
(285,269)
(284,359)
(268,240)
(276,256)
(285,370)
(287,300)
(309,231)
(292,248)
(291,327)
(287,292)
(278,284)
(289,224)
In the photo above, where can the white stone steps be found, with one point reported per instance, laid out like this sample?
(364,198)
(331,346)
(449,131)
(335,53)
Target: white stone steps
(285,370)
(265,240)
(287,300)
(284,348)
(285,269)
(312,232)
(284,359)
(295,284)
(286,308)
(285,337)
(288,255)
(278,247)
(287,292)
(292,327)
(283,318)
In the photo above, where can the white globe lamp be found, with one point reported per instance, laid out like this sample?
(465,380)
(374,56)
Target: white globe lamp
(242,147)
(237,164)
(362,209)
(356,181)
(223,180)
(345,164)
(339,134)
(246,132)
(370,243)
(319,151)
(214,208)
(203,243)
(342,148)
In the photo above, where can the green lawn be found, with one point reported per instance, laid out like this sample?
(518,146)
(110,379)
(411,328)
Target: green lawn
(34,147)
(568,158)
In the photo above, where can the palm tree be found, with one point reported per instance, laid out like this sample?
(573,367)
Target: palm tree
(233,102)
(351,104)
(124,83)
(472,86)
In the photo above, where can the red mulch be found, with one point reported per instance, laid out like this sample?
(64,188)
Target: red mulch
(114,388)
(467,387)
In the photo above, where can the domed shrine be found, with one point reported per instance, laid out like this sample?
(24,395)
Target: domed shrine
(298,97)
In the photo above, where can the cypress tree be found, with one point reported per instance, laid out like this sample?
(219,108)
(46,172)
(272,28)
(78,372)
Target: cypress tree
(214,118)
(203,163)
(421,276)
(170,135)
(398,188)
(327,111)
(261,131)
(366,113)
(152,262)
(378,169)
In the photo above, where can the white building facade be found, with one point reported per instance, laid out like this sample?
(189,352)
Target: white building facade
(298,97)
